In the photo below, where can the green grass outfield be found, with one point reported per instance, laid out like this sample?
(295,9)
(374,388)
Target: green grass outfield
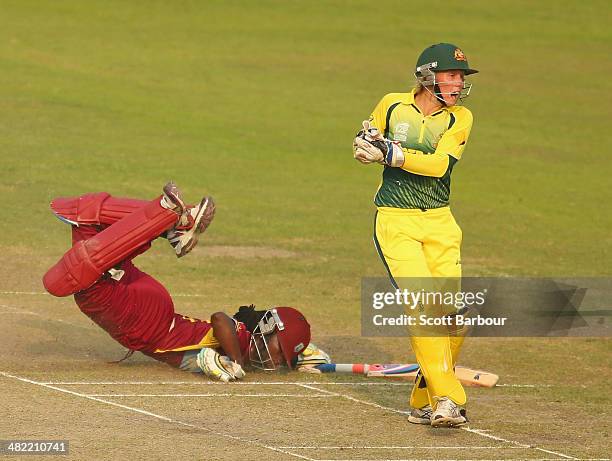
(256,103)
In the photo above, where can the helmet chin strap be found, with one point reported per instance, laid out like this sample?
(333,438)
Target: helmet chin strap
(438,94)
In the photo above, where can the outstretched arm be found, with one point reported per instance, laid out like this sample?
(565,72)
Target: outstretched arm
(224,330)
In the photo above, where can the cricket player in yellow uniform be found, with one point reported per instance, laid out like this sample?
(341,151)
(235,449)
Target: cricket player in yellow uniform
(419,137)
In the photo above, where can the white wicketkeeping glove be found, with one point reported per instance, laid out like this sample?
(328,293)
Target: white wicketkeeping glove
(219,367)
(370,146)
(366,148)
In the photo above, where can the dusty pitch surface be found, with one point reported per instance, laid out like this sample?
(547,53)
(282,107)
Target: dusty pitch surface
(57,384)
(256,103)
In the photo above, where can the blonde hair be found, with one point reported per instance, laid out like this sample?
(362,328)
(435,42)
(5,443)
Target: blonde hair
(418,86)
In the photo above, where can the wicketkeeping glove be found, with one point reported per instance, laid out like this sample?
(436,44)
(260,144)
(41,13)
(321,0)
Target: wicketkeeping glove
(218,366)
(370,146)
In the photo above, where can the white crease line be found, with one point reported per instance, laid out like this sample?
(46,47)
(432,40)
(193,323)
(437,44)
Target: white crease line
(348,397)
(163,418)
(18,310)
(494,437)
(310,396)
(392,447)
(17,313)
(461,459)
(211,383)
(12,308)
(524,385)
(484,434)
(468,429)
(367,383)
(554,453)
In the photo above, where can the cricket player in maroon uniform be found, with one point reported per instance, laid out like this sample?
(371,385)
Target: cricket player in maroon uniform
(137,311)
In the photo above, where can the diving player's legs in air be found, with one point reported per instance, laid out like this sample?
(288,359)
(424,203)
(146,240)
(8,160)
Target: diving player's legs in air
(130,305)
(101,209)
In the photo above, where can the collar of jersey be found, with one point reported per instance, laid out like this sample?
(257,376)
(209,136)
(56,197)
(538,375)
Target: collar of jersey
(409,100)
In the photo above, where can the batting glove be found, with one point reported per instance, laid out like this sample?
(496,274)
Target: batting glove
(218,367)
(232,367)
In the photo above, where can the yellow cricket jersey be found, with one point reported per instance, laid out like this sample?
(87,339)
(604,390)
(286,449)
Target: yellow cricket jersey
(432,145)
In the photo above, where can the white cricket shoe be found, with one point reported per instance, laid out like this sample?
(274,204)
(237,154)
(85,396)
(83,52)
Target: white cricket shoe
(184,236)
(420,415)
(447,413)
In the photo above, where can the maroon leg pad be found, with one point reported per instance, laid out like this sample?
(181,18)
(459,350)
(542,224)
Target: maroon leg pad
(99,208)
(88,259)
(116,208)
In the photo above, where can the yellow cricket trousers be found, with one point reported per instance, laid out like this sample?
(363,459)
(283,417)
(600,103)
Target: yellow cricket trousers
(417,243)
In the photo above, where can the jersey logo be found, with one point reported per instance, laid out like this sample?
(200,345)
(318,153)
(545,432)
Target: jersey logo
(400,132)
(459,56)
(435,144)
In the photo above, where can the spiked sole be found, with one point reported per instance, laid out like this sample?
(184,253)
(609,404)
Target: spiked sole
(207,215)
(201,222)
(172,196)
(447,421)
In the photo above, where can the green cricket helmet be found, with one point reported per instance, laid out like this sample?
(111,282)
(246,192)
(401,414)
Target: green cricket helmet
(441,57)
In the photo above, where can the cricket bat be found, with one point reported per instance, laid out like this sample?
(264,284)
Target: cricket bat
(467,376)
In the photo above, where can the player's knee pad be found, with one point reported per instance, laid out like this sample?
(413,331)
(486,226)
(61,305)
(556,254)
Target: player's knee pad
(83,210)
(73,273)
(98,208)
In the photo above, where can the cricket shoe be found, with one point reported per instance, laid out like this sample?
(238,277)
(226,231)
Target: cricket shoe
(193,221)
(420,415)
(447,414)
(172,199)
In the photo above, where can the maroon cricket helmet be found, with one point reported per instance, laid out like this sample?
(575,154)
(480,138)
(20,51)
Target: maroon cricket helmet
(293,333)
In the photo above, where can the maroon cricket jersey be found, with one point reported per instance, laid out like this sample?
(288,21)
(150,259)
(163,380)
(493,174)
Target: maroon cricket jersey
(137,311)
